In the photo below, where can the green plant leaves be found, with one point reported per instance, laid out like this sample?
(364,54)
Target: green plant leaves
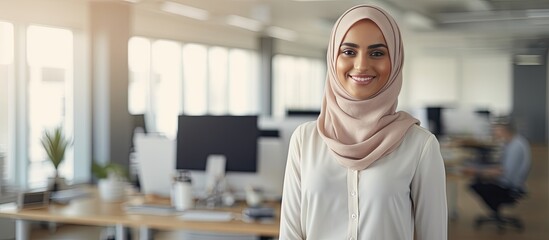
(103,171)
(55,144)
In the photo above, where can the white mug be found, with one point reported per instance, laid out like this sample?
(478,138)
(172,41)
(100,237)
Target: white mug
(182,195)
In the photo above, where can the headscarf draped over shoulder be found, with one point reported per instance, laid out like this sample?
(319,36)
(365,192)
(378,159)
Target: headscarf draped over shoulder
(359,132)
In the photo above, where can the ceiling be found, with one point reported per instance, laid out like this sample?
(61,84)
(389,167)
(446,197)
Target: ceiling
(504,25)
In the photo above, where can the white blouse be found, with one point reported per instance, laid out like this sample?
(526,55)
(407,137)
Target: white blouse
(399,193)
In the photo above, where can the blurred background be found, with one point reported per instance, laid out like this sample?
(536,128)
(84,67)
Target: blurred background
(92,66)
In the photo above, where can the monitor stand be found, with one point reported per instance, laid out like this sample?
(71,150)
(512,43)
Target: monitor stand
(214,196)
(215,181)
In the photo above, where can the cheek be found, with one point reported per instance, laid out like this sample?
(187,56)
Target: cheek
(342,67)
(384,68)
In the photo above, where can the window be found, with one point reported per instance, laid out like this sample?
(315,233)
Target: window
(166,81)
(139,62)
(168,78)
(6,98)
(50,97)
(298,83)
(155,83)
(217,80)
(195,79)
(218,60)
(243,83)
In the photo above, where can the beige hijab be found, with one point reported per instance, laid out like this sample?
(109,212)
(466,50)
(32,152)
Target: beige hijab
(359,132)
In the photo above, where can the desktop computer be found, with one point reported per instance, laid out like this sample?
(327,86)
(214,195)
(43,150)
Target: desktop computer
(249,159)
(156,156)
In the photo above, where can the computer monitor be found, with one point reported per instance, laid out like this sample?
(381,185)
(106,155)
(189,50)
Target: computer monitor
(234,137)
(436,123)
(138,121)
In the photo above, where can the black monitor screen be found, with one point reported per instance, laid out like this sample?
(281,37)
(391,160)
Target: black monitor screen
(235,137)
(139,121)
(434,116)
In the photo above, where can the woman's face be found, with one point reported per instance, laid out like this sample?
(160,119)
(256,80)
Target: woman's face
(363,64)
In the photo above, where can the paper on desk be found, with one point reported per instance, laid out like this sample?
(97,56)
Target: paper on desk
(150,209)
(64,196)
(205,215)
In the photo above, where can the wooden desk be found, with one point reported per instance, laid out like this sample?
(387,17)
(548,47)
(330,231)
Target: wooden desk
(92,211)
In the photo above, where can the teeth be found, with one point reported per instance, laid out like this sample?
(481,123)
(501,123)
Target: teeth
(362,79)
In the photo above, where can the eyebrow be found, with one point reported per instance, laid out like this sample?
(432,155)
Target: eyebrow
(354,45)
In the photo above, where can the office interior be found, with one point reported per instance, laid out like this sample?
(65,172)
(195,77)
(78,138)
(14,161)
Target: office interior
(93,66)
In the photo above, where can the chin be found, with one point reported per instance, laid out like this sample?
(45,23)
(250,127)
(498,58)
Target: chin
(361,97)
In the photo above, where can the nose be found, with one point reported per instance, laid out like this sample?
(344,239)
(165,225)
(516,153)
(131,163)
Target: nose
(361,63)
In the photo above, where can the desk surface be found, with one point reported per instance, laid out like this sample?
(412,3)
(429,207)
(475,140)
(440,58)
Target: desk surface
(92,211)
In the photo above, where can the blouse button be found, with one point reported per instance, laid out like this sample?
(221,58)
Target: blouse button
(353,193)
(353,216)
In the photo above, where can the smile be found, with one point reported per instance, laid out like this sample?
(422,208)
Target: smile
(362,79)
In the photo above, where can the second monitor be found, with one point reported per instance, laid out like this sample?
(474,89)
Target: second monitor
(234,137)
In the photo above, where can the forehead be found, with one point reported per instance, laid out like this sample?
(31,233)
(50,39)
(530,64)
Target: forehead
(364,30)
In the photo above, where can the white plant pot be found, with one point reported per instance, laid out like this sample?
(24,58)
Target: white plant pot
(111,189)
(60,181)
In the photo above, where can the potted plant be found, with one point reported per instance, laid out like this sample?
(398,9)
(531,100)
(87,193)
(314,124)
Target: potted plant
(111,180)
(55,144)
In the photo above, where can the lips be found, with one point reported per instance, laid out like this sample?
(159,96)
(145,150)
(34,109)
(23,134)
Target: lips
(362,79)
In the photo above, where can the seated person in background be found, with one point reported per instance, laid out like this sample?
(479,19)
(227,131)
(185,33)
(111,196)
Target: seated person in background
(505,181)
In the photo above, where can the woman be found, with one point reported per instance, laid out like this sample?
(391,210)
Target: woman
(362,170)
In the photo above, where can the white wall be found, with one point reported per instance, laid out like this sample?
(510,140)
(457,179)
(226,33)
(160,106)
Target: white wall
(433,80)
(460,80)
(487,81)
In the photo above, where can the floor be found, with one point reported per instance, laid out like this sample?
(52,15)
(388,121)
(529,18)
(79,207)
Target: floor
(534,210)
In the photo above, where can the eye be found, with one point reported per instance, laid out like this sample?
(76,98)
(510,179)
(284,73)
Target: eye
(377,53)
(348,52)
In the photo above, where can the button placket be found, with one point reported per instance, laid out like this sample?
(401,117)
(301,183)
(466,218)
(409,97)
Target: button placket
(352,186)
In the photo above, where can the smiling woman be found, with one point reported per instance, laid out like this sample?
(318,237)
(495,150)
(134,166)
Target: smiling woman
(363,65)
(364,170)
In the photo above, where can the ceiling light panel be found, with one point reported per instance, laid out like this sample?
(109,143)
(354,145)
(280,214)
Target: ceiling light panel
(281,33)
(242,22)
(184,10)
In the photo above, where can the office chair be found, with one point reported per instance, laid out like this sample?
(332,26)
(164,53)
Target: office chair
(499,219)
